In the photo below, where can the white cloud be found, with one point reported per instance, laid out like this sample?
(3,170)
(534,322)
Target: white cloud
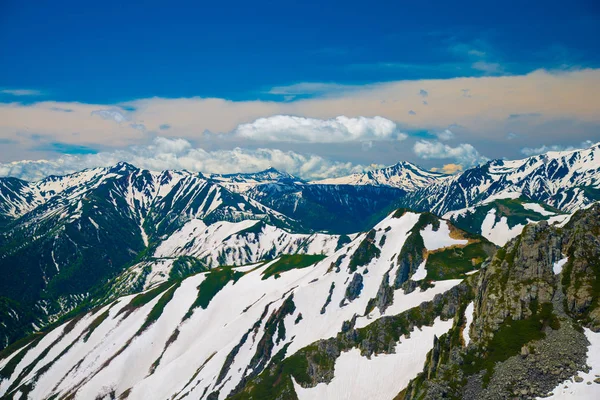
(111,114)
(287,128)
(533,151)
(21,92)
(488,67)
(446,134)
(178,154)
(464,154)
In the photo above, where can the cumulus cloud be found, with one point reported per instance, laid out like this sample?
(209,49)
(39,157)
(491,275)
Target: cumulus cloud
(533,151)
(178,154)
(287,128)
(446,134)
(464,154)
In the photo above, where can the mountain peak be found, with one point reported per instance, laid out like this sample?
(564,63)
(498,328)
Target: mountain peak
(122,166)
(402,175)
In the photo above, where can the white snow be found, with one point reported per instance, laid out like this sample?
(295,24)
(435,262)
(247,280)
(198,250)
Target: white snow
(420,273)
(222,242)
(469,315)
(435,240)
(498,232)
(587,389)
(403,302)
(537,208)
(507,194)
(558,266)
(382,376)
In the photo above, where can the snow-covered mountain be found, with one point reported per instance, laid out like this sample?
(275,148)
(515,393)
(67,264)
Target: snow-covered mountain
(69,234)
(215,334)
(142,284)
(566,180)
(402,175)
(241,182)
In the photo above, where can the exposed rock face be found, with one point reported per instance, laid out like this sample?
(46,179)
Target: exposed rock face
(354,287)
(581,274)
(526,336)
(520,275)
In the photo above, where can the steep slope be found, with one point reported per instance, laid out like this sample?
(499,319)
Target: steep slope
(567,180)
(501,219)
(197,247)
(18,197)
(275,330)
(402,175)
(69,234)
(533,327)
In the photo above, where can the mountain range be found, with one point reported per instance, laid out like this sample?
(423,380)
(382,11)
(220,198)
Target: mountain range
(394,283)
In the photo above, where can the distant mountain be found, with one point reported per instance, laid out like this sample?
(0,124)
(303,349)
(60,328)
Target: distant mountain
(566,180)
(241,182)
(402,175)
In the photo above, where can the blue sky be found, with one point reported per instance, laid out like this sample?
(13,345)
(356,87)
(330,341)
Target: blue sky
(508,79)
(112,51)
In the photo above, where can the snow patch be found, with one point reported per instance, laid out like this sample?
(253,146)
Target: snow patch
(382,376)
(469,315)
(499,232)
(439,239)
(537,208)
(420,273)
(558,266)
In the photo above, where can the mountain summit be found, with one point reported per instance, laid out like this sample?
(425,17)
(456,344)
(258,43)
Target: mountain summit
(402,175)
